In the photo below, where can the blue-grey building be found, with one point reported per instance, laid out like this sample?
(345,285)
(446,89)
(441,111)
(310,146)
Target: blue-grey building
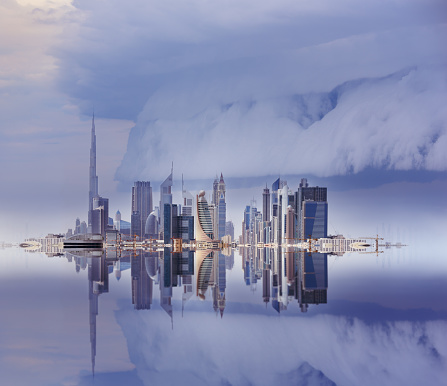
(311,211)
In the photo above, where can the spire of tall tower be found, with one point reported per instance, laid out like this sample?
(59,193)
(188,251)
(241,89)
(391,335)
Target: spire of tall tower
(93,178)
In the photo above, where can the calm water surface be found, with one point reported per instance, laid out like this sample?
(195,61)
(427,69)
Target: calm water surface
(136,322)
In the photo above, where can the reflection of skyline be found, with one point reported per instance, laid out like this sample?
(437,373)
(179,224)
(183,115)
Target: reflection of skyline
(98,269)
(286,273)
(280,248)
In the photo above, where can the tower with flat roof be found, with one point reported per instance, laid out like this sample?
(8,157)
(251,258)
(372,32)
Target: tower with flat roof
(142,203)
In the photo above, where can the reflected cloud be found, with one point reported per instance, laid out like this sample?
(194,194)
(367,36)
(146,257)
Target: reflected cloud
(251,349)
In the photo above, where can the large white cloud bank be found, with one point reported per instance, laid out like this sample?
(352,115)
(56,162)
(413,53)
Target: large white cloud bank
(205,125)
(259,350)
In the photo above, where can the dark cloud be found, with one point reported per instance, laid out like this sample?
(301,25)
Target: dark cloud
(118,55)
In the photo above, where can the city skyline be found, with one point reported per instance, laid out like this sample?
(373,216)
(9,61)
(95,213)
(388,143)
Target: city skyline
(138,140)
(345,56)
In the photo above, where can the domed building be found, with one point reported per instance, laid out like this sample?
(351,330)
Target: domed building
(151,227)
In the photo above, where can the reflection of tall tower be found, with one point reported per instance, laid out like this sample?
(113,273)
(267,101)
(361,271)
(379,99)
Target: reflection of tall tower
(141,282)
(98,278)
(166,282)
(204,271)
(220,283)
(313,279)
(93,312)
(93,178)
(266,286)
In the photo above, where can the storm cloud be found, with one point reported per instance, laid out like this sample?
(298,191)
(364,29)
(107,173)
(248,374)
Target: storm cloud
(394,122)
(256,349)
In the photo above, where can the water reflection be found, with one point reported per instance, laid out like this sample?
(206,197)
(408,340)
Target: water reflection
(287,274)
(290,273)
(295,272)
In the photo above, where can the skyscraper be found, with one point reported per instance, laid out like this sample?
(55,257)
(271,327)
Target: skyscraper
(215,197)
(77,227)
(229,229)
(165,197)
(220,207)
(100,215)
(222,216)
(151,227)
(142,203)
(311,210)
(275,187)
(188,202)
(266,204)
(117,221)
(204,225)
(135,221)
(93,178)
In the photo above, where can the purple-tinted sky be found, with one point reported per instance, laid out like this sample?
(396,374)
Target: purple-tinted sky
(214,81)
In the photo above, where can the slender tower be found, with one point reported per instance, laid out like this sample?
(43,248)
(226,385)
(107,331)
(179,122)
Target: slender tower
(93,178)
(266,204)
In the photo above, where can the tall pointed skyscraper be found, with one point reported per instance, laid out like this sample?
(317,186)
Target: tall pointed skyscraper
(165,197)
(218,200)
(93,178)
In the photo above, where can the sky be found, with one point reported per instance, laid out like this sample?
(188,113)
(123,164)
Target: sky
(341,87)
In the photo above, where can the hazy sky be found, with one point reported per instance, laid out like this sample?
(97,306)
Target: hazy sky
(189,75)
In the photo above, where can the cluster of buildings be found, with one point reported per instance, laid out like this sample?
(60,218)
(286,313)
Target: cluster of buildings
(162,220)
(285,246)
(191,218)
(288,217)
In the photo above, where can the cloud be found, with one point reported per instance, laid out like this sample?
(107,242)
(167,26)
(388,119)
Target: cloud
(396,122)
(162,63)
(261,350)
(118,55)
